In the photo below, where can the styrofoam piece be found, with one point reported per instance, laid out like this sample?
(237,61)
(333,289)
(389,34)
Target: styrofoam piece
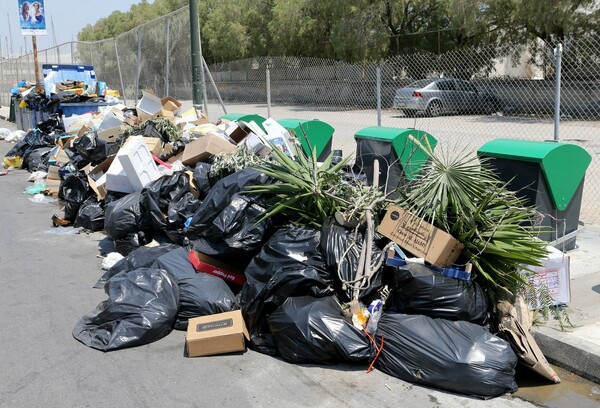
(255,128)
(110,121)
(116,179)
(138,163)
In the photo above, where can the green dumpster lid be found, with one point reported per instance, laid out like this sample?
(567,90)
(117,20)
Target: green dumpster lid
(319,133)
(244,117)
(413,159)
(563,165)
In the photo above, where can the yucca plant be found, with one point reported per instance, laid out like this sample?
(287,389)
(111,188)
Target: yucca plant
(462,195)
(305,192)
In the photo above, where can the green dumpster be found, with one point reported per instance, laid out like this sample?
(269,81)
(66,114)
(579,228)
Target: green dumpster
(549,176)
(312,133)
(235,117)
(400,160)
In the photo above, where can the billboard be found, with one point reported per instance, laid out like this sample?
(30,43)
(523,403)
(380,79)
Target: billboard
(32,17)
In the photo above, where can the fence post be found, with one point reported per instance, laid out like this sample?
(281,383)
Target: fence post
(2,91)
(167,62)
(212,81)
(378,96)
(269,62)
(120,73)
(72,53)
(558,55)
(138,68)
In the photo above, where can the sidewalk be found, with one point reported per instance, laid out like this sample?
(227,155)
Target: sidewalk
(577,349)
(4,112)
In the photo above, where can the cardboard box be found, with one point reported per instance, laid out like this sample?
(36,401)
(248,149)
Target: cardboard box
(61,157)
(216,334)
(111,135)
(204,148)
(206,264)
(148,106)
(419,237)
(237,132)
(171,104)
(97,177)
(74,123)
(154,145)
(555,273)
(53,180)
(257,144)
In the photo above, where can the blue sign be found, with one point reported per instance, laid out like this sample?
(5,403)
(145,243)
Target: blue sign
(32,17)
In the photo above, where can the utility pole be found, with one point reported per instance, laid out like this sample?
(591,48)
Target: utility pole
(197,70)
(12,50)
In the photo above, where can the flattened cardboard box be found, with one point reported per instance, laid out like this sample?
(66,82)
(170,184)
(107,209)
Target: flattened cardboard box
(216,334)
(419,237)
(204,148)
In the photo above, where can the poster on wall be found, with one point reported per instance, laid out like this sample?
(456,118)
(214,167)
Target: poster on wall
(32,17)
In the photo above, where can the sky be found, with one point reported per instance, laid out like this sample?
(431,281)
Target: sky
(69,17)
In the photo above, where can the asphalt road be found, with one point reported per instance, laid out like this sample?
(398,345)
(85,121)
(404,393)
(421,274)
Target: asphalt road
(46,286)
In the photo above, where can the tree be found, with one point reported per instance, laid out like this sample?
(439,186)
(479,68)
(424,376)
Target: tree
(547,20)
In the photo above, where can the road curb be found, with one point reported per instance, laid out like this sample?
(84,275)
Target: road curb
(570,353)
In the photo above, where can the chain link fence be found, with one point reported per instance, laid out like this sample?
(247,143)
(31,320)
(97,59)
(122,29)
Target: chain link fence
(510,91)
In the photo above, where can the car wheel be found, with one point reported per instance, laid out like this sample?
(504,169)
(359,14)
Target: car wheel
(410,113)
(489,107)
(434,109)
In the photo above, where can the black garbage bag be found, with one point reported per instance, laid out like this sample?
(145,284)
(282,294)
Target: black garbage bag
(74,189)
(235,232)
(140,309)
(202,178)
(313,330)
(418,289)
(52,125)
(219,197)
(38,159)
(18,149)
(456,356)
(289,264)
(178,147)
(159,194)
(341,249)
(141,257)
(125,216)
(93,149)
(90,215)
(180,210)
(201,295)
(177,263)
(132,241)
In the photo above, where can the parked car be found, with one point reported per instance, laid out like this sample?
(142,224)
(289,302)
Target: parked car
(437,96)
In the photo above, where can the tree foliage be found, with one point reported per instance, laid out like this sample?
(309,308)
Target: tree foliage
(354,30)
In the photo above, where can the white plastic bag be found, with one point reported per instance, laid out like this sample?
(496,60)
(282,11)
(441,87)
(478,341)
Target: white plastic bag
(4,132)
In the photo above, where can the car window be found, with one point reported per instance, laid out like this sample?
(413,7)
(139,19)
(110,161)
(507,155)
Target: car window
(446,85)
(420,83)
(466,86)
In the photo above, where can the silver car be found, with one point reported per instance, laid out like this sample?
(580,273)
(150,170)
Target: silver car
(437,96)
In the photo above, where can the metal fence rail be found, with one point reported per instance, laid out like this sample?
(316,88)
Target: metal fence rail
(156,57)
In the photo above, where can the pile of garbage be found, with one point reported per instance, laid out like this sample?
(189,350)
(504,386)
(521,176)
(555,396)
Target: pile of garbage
(233,233)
